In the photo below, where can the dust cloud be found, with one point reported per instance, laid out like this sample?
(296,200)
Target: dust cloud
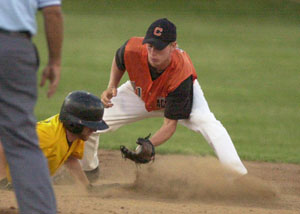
(183,177)
(178,177)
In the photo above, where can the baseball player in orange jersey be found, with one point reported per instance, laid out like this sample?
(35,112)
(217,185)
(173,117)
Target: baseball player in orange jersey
(62,136)
(163,83)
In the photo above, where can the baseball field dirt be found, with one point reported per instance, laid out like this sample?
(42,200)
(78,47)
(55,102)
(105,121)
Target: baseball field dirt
(179,184)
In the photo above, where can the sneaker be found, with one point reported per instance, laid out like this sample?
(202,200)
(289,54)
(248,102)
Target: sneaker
(93,175)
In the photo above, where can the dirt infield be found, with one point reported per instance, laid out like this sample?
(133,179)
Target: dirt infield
(179,184)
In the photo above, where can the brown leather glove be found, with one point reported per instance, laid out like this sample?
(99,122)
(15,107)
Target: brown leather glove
(144,153)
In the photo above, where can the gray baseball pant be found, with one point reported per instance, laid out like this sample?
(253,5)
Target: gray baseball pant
(18,94)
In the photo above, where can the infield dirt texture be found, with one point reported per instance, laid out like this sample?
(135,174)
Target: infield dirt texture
(176,184)
(246,54)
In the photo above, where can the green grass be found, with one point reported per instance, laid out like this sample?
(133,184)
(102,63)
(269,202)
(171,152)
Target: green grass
(246,54)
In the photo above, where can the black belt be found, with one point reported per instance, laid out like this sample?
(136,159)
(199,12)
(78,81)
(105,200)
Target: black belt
(23,34)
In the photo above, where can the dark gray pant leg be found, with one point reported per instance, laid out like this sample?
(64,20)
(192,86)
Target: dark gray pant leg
(18,93)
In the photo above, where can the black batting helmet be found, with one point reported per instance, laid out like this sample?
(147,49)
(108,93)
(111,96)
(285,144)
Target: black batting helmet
(81,108)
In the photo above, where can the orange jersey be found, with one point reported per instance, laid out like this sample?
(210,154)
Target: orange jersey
(154,92)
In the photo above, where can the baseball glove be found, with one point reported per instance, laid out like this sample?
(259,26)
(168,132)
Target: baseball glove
(143,153)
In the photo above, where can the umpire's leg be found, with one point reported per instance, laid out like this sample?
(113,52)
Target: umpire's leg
(28,166)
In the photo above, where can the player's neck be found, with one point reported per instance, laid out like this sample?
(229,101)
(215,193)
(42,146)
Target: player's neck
(71,136)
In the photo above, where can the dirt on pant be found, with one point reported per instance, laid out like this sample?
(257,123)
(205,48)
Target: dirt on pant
(178,184)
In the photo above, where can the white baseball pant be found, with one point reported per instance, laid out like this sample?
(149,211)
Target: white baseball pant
(129,108)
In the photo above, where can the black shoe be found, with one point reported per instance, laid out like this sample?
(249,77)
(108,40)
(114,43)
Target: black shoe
(93,175)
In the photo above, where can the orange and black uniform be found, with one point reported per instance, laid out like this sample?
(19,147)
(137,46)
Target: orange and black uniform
(171,89)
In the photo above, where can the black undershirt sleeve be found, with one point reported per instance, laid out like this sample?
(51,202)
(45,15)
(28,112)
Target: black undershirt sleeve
(179,102)
(119,57)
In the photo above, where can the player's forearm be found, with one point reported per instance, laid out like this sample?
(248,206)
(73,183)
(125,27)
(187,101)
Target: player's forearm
(164,133)
(115,75)
(2,162)
(53,21)
(75,168)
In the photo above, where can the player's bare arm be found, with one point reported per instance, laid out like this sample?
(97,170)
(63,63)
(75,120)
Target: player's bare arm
(165,132)
(75,168)
(53,21)
(2,162)
(111,91)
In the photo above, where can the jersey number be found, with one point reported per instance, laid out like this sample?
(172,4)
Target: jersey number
(161,102)
(138,91)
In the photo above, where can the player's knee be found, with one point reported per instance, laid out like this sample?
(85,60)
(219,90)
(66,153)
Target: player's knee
(203,119)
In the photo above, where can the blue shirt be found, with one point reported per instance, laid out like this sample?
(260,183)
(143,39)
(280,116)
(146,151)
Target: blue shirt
(20,15)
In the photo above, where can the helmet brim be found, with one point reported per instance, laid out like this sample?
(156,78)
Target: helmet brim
(95,125)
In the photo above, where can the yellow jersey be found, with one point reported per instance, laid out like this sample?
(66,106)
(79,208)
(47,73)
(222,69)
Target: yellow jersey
(53,142)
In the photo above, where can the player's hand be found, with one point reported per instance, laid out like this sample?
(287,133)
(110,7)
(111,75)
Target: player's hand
(107,95)
(52,73)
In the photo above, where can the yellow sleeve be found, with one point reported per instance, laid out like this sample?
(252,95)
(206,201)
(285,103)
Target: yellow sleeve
(46,137)
(78,150)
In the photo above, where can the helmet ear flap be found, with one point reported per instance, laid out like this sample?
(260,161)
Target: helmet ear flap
(75,128)
(69,123)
